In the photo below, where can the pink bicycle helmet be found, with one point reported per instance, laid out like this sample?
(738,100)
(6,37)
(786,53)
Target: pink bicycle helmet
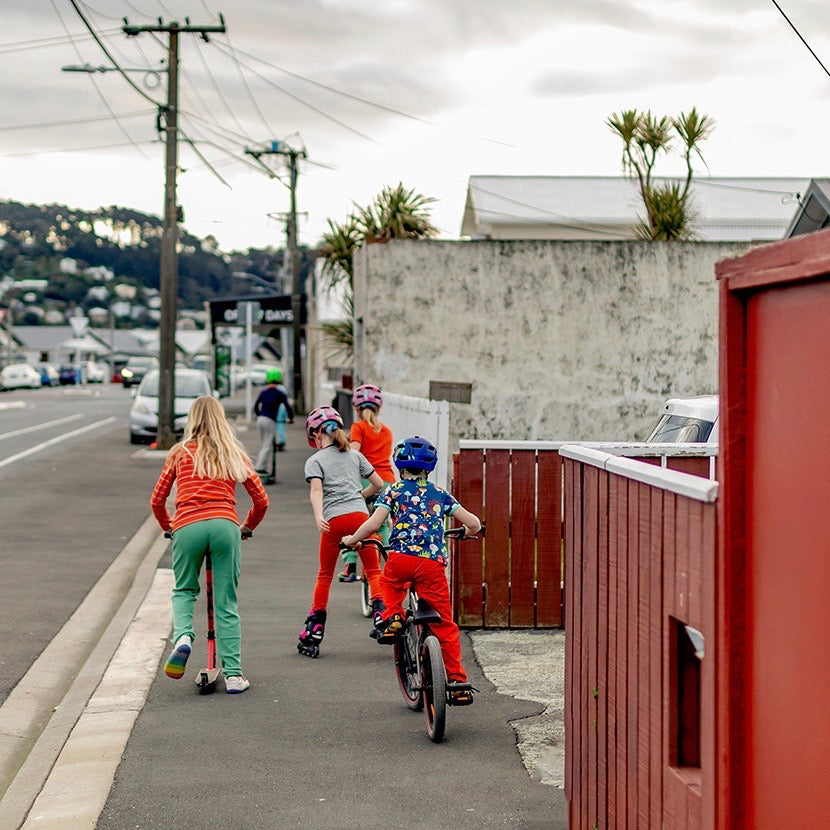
(367,395)
(318,418)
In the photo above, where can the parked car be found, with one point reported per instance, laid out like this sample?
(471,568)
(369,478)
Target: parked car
(70,373)
(20,376)
(94,372)
(49,375)
(693,420)
(134,370)
(144,414)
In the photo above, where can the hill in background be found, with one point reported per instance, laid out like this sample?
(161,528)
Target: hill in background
(112,246)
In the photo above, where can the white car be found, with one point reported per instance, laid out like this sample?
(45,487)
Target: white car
(687,420)
(144,414)
(20,376)
(94,372)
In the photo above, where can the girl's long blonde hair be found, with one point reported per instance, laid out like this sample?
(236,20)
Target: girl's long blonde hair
(370,414)
(218,454)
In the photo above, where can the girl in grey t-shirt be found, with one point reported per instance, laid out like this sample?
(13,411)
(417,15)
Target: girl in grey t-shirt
(334,474)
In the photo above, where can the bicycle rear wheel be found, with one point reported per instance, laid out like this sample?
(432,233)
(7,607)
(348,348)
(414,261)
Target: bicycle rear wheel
(365,599)
(406,666)
(435,688)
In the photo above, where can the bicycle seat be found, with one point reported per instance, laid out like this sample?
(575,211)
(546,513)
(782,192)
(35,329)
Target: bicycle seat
(425,613)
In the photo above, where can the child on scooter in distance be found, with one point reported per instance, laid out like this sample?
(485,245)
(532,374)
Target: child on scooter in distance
(417,552)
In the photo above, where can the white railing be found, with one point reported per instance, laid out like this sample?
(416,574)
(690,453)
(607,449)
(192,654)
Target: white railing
(407,416)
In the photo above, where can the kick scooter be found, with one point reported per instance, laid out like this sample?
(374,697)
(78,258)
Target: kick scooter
(207,677)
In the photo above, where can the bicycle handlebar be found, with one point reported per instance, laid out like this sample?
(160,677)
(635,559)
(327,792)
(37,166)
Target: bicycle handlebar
(452,533)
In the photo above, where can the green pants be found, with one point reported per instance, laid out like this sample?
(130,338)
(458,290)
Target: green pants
(221,538)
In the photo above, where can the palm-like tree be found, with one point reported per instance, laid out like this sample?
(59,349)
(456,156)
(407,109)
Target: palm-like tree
(395,213)
(669,214)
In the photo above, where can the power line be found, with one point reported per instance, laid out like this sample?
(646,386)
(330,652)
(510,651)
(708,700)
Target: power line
(338,91)
(301,100)
(112,60)
(44,42)
(800,37)
(70,121)
(247,86)
(132,142)
(100,94)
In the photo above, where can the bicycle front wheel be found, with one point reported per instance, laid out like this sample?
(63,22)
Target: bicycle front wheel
(434,688)
(406,666)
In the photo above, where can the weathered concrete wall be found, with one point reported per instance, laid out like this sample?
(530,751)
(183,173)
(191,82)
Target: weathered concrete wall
(560,340)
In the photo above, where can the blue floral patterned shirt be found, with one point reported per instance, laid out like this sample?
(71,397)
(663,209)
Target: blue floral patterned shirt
(418,509)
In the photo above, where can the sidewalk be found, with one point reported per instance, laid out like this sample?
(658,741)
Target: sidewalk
(527,665)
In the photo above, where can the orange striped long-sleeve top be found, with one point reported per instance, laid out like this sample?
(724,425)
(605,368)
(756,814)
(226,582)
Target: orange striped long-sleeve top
(198,499)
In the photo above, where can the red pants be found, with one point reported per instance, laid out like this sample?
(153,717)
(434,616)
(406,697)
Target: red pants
(339,527)
(430,582)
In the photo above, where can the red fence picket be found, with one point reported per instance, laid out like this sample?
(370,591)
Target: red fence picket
(513,579)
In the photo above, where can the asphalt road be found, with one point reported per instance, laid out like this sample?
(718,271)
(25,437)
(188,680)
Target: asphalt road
(324,743)
(66,510)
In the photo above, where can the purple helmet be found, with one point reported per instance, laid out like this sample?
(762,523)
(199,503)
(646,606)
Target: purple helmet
(367,395)
(318,418)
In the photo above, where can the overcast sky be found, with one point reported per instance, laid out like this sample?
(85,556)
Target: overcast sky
(427,92)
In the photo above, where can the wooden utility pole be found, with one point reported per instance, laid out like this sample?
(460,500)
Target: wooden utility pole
(279,148)
(169,267)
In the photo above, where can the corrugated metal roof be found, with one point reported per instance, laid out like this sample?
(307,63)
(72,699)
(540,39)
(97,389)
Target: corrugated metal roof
(727,208)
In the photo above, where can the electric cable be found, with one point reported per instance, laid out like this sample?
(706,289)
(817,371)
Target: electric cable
(46,42)
(82,149)
(101,95)
(302,102)
(335,90)
(112,60)
(247,86)
(71,121)
(216,86)
(801,38)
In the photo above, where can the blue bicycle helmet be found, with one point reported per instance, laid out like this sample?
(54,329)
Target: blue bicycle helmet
(415,453)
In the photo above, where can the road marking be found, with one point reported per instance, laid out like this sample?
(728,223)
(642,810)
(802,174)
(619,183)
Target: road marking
(52,441)
(13,405)
(40,426)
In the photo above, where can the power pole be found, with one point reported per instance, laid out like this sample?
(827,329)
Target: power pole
(169,267)
(279,148)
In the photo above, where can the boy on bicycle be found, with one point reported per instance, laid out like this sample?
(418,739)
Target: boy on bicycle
(418,554)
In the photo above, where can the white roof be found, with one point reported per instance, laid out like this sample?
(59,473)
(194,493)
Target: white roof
(728,209)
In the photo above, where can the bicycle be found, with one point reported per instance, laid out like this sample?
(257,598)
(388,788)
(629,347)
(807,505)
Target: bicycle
(419,664)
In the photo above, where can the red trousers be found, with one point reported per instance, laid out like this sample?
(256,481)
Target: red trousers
(339,527)
(430,582)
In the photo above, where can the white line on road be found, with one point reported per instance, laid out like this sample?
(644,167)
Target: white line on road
(38,447)
(40,426)
(13,405)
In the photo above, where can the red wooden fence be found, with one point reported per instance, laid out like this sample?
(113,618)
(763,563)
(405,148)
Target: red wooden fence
(514,577)
(639,704)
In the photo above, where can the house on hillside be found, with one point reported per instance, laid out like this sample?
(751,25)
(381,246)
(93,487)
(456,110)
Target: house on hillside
(728,209)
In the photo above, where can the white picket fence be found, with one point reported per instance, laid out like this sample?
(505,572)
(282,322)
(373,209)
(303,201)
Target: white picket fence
(407,416)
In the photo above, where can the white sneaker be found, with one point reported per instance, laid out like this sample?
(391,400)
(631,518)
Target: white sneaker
(236,684)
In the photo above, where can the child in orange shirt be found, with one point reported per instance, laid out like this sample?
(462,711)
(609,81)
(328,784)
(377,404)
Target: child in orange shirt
(374,439)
